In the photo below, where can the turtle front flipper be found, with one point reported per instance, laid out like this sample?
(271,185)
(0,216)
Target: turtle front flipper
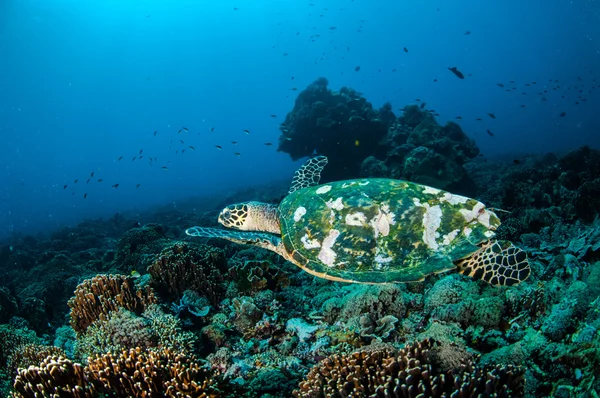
(309,174)
(266,241)
(498,263)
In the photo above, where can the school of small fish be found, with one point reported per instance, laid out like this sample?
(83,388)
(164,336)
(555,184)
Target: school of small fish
(154,159)
(543,91)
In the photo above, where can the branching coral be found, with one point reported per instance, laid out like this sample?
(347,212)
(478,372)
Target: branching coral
(182,267)
(384,372)
(54,377)
(95,298)
(134,373)
(31,354)
(153,373)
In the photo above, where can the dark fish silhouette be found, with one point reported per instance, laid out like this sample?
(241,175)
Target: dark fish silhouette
(141,150)
(562,114)
(273,116)
(155,132)
(137,186)
(120,157)
(237,154)
(247,131)
(219,147)
(115,186)
(405,49)
(423,105)
(75,182)
(92,174)
(467,32)
(459,117)
(85,195)
(490,133)
(65,187)
(492,115)
(234,142)
(266,143)
(499,84)
(212,129)
(516,161)
(478,119)
(456,72)
(357,68)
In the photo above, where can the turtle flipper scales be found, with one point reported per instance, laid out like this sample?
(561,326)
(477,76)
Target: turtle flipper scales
(260,239)
(498,263)
(309,174)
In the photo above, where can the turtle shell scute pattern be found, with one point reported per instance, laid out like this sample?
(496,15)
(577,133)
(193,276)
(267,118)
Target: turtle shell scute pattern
(381,230)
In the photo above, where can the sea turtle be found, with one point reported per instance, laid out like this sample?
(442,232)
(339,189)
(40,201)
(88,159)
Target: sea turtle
(374,230)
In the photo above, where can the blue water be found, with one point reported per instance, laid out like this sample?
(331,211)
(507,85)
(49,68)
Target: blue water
(85,82)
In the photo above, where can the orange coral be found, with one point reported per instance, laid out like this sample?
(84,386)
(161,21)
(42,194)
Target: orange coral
(135,373)
(384,372)
(56,376)
(95,298)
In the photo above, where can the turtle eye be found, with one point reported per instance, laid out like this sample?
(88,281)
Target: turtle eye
(226,213)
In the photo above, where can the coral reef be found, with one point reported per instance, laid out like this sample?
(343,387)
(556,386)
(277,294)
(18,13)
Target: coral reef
(257,326)
(409,372)
(422,151)
(137,247)
(184,266)
(95,298)
(341,125)
(132,373)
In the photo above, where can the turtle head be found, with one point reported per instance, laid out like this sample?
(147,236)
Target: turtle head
(250,216)
(235,216)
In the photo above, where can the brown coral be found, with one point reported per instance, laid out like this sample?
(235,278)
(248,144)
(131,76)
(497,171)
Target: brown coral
(95,298)
(55,377)
(152,373)
(31,355)
(134,373)
(384,372)
(184,267)
(254,275)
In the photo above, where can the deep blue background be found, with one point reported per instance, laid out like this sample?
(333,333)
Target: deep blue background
(83,82)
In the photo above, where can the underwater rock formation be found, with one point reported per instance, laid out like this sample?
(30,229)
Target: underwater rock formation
(539,191)
(361,141)
(422,151)
(341,125)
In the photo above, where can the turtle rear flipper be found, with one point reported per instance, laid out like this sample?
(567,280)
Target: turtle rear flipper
(264,240)
(498,263)
(309,174)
